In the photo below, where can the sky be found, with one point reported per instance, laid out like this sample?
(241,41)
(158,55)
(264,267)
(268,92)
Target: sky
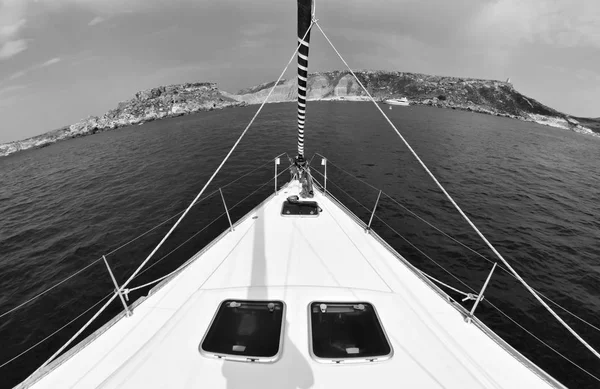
(63,60)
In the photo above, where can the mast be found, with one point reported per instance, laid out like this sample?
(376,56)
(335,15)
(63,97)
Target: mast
(304,23)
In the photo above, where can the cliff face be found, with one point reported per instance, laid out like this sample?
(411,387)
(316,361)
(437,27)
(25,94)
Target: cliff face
(147,105)
(484,96)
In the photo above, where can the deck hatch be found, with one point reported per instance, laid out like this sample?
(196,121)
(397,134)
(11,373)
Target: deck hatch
(245,330)
(347,332)
(294,207)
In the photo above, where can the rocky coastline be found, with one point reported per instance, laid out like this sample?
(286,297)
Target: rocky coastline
(475,95)
(148,105)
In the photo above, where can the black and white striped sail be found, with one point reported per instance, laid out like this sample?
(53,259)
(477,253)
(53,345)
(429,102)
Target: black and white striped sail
(304,24)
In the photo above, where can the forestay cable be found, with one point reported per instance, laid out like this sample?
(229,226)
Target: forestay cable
(517,276)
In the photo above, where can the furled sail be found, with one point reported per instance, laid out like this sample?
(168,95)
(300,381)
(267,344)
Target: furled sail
(304,23)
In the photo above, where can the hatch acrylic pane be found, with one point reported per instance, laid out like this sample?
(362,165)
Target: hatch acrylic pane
(300,208)
(246,330)
(347,332)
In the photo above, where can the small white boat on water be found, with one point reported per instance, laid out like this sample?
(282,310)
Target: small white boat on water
(298,293)
(403,101)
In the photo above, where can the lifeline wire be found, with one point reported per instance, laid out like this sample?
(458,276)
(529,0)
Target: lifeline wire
(459,209)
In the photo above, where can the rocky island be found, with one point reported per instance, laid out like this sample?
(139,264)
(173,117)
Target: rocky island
(476,95)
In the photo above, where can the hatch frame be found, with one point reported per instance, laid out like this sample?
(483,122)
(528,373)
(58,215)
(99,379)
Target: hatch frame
(348,360)
(305,203)
(245,358)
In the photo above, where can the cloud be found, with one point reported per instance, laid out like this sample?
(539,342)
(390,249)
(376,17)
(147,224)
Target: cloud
(12,22)
(12,48)
(12,29)
(563,24)
(49,62)
(11,89)
(96,20)
(16,75)
(23,72)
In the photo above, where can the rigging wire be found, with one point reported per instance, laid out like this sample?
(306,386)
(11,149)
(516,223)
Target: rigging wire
(55,332)
(218,168)
(410,243)
(221,215)
(467,286)
(468,296)
(158,225)
(176,248)
(49,289)
(457,241)
(251,171)
(85,326)
(348,173)
(135,273)
(204,228)
(139,287)
(95,261)
(459,209)
(541,341)
(133,240)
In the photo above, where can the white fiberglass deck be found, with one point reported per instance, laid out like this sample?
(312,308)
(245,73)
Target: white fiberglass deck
(296,260)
